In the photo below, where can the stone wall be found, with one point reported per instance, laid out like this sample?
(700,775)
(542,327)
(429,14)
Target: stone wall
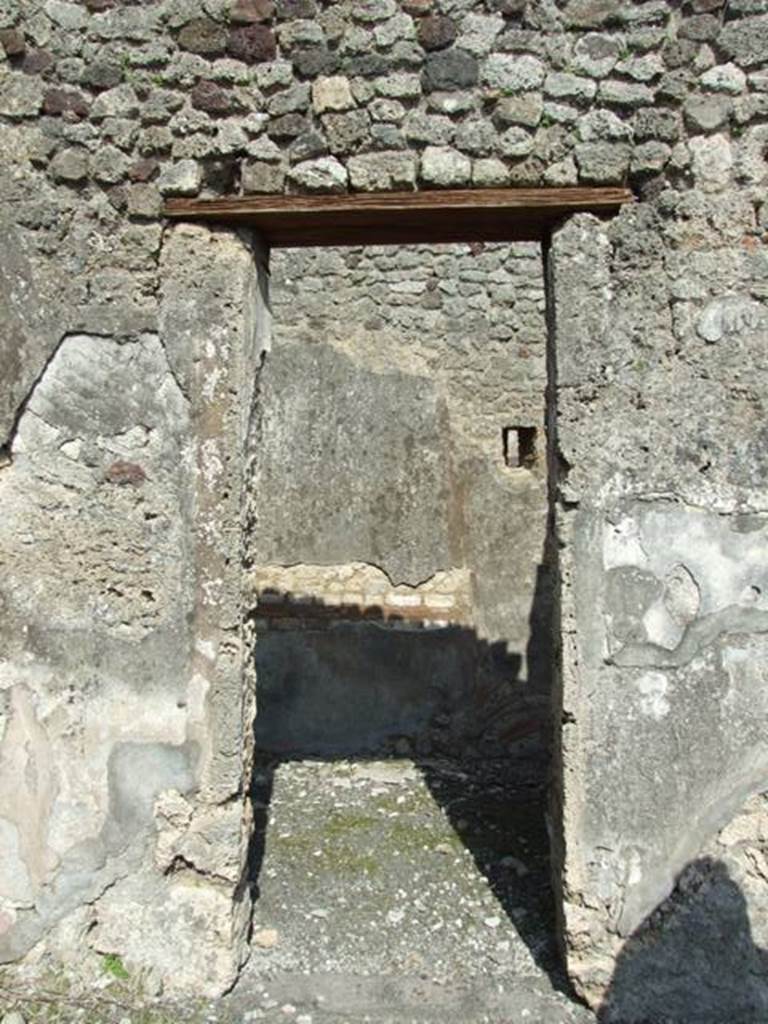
(129,351)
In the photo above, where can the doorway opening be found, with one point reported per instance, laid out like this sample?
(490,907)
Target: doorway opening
(403,590)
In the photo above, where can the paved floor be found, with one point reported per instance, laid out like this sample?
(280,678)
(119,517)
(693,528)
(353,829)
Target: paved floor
(403,891)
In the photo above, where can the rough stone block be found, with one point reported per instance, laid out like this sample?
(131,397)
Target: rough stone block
(325,174)
(70,165)
(203,36)
(436,32)
(449,69)
(382,172)
(183,178)
(20,96)
(445,167)
(257,176)
(513,74)
(252,44)
(331,94)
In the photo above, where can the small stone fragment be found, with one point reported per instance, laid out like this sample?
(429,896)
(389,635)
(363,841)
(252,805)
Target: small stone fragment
(625,94)
(123,473)
(449,69)
(260,176)
(562,85)
(489,172)
(20,96)
(331,93)
(602,163)
(745,40)
(374,10)
(70,165)
(252,43)
(103,74)
(288,9)
(596,54)
(65,101)
(143,170)
(712,161)
(308,146)
(203,36)
(382,172)
(36,62)
(12,41)
(144,201)
(444,167)
(399,86)
(108,164)
(181,179)
(325,174)
(525,109)
(314,61)
(266,938)
(590,13)
(118,102)
(512,73)
(650,157)
(211,98)
(346,132)
(436,32)
(725,78)
(707,113)
(288,101)
(516,142)
(249,11)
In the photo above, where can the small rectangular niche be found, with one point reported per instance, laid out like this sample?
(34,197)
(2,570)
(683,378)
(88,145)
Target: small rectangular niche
(519,447)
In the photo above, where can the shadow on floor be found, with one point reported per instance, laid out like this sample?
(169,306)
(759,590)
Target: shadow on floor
(337,683)
(693,961)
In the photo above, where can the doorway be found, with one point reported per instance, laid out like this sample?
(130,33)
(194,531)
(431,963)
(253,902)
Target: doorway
(403,599)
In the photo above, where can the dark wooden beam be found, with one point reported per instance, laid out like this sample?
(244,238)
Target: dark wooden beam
(380,218)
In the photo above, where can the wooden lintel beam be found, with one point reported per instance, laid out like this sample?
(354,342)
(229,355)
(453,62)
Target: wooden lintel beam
(403,217)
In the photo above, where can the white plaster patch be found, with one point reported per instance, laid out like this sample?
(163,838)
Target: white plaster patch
(15,883)
(622,544)
(681,595)
(730,316)
(659,626)
(212,463)
(207,648)
(653,687)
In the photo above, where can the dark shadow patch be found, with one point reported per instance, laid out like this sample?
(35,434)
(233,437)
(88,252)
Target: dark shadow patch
(692,961)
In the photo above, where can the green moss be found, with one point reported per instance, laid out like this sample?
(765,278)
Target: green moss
(112,963)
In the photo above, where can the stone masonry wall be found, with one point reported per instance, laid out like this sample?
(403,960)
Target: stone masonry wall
(126,343)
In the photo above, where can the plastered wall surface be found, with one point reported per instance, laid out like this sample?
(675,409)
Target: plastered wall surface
(129,351)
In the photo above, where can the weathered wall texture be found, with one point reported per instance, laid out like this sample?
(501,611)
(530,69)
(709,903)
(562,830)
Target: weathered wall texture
(123,346)
(383,405)
(124,711)
(663,521)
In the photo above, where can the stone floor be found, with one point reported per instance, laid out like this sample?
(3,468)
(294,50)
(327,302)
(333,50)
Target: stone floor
(403,891)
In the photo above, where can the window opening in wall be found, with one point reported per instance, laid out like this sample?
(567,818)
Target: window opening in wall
(519,446)
(402,594)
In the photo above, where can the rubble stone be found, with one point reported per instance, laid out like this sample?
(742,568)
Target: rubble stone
(445,167)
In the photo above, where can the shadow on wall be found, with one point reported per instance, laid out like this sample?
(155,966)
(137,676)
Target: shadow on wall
(693,960)
(345,683)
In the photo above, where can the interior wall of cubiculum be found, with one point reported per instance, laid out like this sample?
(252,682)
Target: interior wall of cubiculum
(399,476)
